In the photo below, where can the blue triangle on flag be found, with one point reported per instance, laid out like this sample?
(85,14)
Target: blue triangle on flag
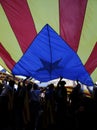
(50,57)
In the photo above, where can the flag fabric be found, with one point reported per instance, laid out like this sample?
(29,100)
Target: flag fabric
(75,22)
(3,70)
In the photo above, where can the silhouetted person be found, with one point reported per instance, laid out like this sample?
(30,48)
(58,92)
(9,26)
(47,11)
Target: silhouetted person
(61,104)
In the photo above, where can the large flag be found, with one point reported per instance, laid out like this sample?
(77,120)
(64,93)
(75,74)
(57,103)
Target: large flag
(74,21)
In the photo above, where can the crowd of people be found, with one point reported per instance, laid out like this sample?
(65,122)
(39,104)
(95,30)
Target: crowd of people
(30,107)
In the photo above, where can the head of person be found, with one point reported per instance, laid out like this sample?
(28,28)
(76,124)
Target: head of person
(11,83)
(62,83)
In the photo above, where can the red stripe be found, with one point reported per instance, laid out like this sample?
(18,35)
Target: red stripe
(6,57)
(71,20)
(21,21)
(91,63)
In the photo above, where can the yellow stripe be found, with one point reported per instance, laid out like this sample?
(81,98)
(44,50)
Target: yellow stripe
(7,37)
(4,65)
(89,31)
(45,12)
(94,76)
